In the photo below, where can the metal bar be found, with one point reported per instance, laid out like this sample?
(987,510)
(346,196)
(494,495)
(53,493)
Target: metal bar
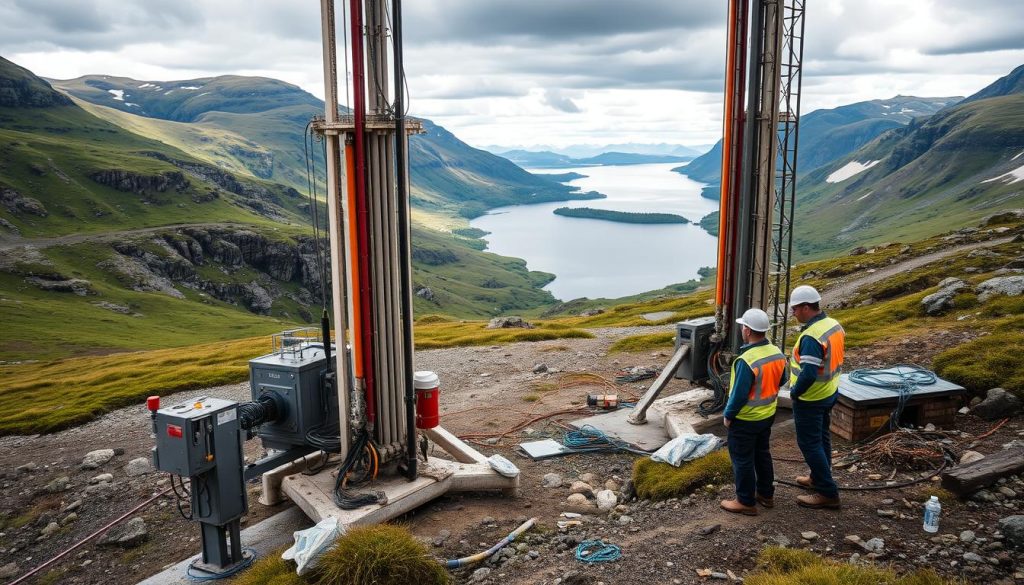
(258,468)
(639,414)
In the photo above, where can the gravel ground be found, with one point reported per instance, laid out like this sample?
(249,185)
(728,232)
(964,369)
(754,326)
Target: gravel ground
(491,389)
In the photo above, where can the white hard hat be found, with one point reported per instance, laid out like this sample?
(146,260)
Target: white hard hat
(804,294)
(756,319)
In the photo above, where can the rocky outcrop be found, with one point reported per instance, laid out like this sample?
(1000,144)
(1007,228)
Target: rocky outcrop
(942,300)
(508,323)
(136,275)
(132,182)
(73,285)
(17,203)
(173,259)
(1011,286)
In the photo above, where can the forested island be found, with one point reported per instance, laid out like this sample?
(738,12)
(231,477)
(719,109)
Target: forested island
(620,216)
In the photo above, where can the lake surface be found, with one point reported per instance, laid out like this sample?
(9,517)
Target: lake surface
(594,258)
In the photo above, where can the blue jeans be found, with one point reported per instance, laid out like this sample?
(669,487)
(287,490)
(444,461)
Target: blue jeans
(750,451)
(812,420)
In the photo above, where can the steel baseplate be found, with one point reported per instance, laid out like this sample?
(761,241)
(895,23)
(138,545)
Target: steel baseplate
(469,472)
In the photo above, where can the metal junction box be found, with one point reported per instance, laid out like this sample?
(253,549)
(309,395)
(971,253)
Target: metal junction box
(185,435)
(292,375)
(697,334)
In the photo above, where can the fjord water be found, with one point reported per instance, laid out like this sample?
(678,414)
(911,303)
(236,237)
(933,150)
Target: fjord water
(594,258)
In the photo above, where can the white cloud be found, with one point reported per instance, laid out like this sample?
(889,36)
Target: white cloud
(534,71)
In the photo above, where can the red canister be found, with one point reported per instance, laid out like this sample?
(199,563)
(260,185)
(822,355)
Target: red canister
(427,399)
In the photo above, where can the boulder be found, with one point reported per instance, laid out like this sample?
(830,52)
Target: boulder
(606,500)
(551,480)
(127,535)
(508,323)
(998,404)
(580,487)
(942,300)
(1012,528)
(138,466)
(970,457)
(1011,286)
(94,459)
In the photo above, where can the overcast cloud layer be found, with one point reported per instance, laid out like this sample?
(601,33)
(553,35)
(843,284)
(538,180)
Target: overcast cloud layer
(528,72)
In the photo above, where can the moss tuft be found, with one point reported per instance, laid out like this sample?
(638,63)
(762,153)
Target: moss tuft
(986,362)
(271,570)
(659,481)
(784,566)
(377,555)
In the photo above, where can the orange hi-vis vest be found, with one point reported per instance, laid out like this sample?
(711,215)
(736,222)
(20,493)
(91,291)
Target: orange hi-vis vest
(832,338)
(768,364)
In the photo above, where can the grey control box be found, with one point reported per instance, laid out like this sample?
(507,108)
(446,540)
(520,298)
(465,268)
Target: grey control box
(293,379)
(185,441)
(697,334)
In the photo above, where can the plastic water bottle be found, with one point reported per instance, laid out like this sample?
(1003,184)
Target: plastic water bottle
(932,511)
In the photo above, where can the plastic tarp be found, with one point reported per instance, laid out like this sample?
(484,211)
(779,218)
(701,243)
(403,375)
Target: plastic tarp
(502,465)
(312,542)
(686,448)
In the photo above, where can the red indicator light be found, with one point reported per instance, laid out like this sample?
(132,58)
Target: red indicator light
(153,403)
(174,431)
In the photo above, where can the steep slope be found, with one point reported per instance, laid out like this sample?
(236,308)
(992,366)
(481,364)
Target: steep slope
(258,124)
(63,171)
(934,174)
(826,135)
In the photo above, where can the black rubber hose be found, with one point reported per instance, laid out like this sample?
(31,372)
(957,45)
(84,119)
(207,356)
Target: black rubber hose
(253,414)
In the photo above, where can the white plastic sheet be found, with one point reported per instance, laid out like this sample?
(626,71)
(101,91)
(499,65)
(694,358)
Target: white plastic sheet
(686,448)
(313,542)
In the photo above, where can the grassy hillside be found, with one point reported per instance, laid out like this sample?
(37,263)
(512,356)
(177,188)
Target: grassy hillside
(257,124)
(947,171)
(64,392)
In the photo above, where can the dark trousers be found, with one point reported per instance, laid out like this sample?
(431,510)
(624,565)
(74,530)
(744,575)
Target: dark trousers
(750,451)
(812,420)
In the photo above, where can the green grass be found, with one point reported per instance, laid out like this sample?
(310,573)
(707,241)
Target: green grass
(787,566)
(45,397)
(987,362)
(270,570)
(380,554)
(635,343)
(440,335)
(659,481)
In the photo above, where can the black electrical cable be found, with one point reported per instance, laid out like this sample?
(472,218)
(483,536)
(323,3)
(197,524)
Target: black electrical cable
(718,398)
(345,499)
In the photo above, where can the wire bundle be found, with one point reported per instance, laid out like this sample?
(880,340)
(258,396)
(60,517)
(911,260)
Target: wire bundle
(905,380)
(719,385)
(597,551)
(589,439)
(365,455)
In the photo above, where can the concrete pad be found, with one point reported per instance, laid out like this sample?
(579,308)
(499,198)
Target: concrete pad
(264,537)
(647,437)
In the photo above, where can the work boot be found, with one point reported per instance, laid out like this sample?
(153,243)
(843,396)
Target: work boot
(766,502)
(804,480)
(737,507)
(817,501)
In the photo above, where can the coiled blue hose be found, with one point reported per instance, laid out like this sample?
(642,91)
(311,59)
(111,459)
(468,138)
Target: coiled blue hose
(596,551)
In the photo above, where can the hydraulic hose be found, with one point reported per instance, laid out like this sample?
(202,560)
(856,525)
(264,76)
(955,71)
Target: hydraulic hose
(482,556)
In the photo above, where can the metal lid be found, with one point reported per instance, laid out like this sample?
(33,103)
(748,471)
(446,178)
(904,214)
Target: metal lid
(425,380)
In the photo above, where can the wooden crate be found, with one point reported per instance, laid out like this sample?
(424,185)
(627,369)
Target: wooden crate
(855,422)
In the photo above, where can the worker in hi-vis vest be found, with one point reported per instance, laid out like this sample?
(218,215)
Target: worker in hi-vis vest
(814,384)
(757,375)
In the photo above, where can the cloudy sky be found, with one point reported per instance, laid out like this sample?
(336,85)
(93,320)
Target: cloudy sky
(532,72)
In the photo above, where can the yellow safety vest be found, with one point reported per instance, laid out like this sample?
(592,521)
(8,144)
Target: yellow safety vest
(768,364)
(832,338)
